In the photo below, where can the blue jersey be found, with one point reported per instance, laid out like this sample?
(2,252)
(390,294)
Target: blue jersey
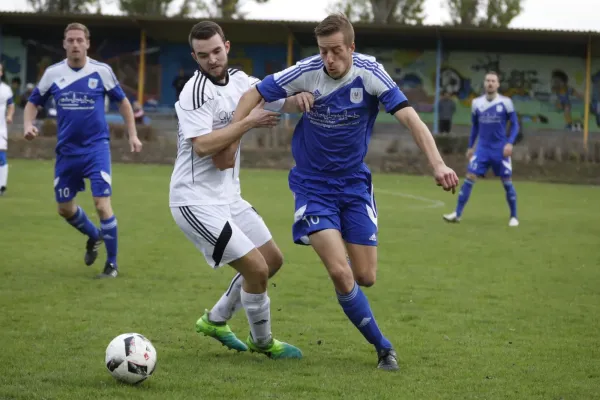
(489,120)
(79,95)
(332,139)
(331,184)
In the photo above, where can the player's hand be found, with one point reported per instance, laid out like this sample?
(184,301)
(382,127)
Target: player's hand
(135,144)
(30,132)
(508,148)
(470,153)
(446,178)
(304,101)
(9,119)
(261,118)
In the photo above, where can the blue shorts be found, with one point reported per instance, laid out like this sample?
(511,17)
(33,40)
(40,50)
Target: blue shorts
(482,160)
(2,158)
(346,204)
(70,171)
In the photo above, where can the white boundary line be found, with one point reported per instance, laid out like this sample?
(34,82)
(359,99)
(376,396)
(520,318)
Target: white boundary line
(431,202)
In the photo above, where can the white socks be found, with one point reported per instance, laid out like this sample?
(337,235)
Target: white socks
(3,175)
(257,306)
(258,311)
(229,302)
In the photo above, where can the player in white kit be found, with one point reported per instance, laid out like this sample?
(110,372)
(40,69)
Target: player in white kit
(205,196)
(7,109)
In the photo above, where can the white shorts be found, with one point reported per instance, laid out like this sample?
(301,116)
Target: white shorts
(3,141)
(223,233)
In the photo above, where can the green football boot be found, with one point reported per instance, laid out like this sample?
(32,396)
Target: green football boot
(275,349)
(221,332)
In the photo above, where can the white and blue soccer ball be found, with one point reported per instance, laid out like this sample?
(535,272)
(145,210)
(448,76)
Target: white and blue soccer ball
(130,358)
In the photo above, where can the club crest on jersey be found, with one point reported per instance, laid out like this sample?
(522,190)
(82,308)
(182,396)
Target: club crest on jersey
(92,83)
(499,108)
(356,95)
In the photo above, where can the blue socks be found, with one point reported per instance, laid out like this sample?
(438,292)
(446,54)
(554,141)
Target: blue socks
(82,223)
(109,234)
(357,309)
(511,198)
(465,192)
(463,196)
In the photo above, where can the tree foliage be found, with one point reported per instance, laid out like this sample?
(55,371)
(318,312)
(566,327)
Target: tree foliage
(145,7)
(500,13)
(485,13)
(381,11)
(64,6)
(226,9)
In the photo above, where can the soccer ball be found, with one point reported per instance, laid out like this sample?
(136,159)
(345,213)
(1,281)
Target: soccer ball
(130,358)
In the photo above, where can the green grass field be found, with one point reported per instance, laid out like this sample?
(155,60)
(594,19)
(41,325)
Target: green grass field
(476,311)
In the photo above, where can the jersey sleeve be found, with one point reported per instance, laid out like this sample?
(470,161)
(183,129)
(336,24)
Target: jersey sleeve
(509,105)
(289,81)
(40,94)
(380,84)
(111,83)
(276,105)
(196,109)
(197,122)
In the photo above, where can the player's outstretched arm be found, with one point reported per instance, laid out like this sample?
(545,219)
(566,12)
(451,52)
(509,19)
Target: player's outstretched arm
(217,140)
(301,102)
(298,103)
(248,101)
(444,175)
(126,112)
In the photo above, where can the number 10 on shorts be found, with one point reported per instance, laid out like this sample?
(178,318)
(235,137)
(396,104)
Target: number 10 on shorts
(311,220)
(64,193)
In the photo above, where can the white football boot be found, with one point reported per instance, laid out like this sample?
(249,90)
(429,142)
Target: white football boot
(452,217)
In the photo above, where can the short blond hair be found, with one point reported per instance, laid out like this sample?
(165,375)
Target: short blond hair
(335,23)
(76,26)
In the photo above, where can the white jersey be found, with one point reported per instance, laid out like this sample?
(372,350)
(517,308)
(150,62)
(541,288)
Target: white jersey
(6,98)
(204,106)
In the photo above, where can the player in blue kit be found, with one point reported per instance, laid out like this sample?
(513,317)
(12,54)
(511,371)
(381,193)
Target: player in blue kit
(490,113)
(79,85)
(335,210)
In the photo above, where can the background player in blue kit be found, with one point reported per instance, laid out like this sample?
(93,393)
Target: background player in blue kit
(335,209)
(490,114)
(79,85)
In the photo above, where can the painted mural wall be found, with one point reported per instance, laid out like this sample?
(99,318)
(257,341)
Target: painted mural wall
(548,91)
(256,60)
(28,59)
(122,55)
(14,60)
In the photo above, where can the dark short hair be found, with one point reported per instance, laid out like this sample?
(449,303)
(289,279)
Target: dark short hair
(493,73)
(204,30)
(336,23)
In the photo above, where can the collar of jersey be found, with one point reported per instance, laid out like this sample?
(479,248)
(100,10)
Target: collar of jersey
(210,78)
(340,78)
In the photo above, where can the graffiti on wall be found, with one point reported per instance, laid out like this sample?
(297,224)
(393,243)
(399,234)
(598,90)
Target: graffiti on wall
(548,91)
(14,60)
